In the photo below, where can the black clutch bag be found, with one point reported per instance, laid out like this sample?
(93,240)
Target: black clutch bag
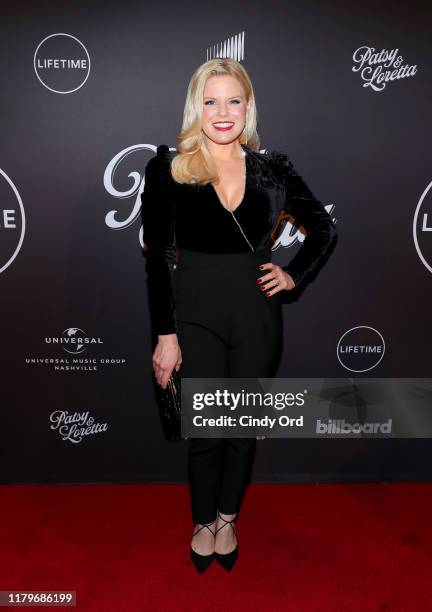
(169,404)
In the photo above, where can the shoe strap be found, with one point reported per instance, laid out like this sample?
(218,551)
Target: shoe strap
(205,525)
(231,522)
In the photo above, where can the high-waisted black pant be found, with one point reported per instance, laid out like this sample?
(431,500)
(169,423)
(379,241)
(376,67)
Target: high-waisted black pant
(227,327)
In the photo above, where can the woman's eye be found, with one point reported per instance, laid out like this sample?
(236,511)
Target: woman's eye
(207,102)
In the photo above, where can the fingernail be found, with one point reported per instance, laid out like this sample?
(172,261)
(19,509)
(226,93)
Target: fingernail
(268,293)
(259,280)
(261,267)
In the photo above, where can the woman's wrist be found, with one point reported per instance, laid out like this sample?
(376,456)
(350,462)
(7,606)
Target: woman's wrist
(167,337)
(290,280)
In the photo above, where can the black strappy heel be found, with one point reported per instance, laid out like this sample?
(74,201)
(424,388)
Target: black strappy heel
(202,562)
(227,560)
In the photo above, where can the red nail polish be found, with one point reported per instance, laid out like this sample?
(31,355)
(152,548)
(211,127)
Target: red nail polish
(268,293)
(259,280)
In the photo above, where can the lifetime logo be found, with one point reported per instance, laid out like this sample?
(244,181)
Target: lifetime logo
(12,221)
(8,219)
(356,348)
(361,348)
(422,227)
(340,426)
(61,63)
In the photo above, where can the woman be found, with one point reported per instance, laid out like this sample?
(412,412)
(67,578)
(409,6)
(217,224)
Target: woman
(217,313)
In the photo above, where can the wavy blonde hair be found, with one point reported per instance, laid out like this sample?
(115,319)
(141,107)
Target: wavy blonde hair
(193,163)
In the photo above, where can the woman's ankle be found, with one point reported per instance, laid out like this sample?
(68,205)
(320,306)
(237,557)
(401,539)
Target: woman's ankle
(199,524)
(227,516)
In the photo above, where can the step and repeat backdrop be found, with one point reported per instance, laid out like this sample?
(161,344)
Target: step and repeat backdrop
(88,93)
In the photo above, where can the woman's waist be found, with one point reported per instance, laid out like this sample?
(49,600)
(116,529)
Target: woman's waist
(190,259)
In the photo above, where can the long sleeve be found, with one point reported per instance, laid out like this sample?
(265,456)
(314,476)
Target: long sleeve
(159,241)
(311,214)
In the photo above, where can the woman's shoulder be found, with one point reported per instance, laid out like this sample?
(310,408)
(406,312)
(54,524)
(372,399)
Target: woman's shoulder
(271,167)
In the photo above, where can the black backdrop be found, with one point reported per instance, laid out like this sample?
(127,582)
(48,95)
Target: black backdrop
(75,141)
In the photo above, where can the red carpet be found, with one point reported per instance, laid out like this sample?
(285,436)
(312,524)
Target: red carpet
(365,547)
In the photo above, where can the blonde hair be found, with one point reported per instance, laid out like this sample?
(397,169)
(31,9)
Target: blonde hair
(193,163)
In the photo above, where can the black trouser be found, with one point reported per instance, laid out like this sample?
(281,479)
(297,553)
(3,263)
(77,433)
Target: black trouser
(227,327)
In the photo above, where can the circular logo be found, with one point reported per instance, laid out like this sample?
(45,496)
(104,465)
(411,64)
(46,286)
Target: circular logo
(74,340)
(61,63)
(12,221)
(422,227)
(360,349)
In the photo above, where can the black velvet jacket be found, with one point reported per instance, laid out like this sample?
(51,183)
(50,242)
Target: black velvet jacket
(192,217)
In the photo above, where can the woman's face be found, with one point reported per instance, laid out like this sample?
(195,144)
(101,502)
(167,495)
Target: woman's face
(225,105)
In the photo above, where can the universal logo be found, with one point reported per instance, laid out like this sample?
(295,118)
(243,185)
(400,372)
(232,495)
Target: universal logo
(61,63)
(75,426)
(12,221)
(422,227)
(75,341)
(377,68)
(360,349)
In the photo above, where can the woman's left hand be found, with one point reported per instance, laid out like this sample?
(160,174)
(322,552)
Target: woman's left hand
(275,280)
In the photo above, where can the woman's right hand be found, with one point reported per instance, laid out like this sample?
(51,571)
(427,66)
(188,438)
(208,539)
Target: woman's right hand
(166,357)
